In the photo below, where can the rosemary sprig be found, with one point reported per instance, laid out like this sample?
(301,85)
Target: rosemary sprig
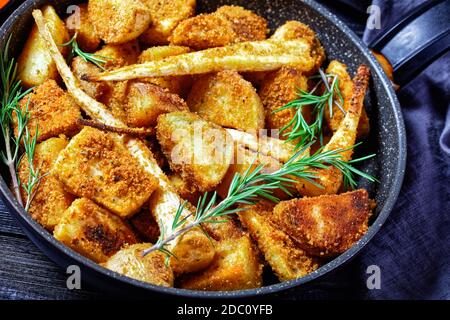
(300,130)
(11,92)
(254,184)
(75,50)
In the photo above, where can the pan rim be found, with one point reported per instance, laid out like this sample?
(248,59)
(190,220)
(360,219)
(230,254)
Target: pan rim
(19,213)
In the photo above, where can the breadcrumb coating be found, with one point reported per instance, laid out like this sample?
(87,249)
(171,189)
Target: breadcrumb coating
(52,111)
(327,225)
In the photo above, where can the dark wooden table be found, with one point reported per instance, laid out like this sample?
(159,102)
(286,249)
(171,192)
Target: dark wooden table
(26,273)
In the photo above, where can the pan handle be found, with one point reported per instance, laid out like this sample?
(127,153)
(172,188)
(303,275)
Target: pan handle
(416,40)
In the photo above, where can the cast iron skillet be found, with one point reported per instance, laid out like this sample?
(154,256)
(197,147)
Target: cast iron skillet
(387,140)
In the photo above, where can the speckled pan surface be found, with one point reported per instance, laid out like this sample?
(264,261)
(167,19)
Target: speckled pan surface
(387,140)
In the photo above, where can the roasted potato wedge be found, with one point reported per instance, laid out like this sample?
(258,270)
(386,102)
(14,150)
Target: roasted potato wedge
(199,150)
(50,199)
(79,23)
(151,268)
(146,102)
(166,15)
(346,87)
(35,65)
(93,231)
(285,258)
(327,225)
(228,100)
(229,24)
(97,166)
(236,265)
(279,88)
(51,110)
(116,22)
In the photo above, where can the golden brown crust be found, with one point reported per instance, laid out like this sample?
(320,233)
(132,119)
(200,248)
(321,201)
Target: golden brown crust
(151,268)
(228,100)
(93,231)
(146,102)
(94,89)
(166,15)
(145,225)
(80,24)
(201,163)
(50,200)
(279,88)
(119,55)
(229,24)
(236,265)
(346,87)
(285,258)
(326,225)
(116,22)
(296,30)
(52,110)
(35,65)
(97,166)
(186,191)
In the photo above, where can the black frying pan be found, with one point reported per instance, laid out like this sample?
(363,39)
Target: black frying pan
(387,140)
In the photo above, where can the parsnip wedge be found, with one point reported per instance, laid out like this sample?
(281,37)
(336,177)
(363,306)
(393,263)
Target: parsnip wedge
(264,55)
(331,178)
(194,250)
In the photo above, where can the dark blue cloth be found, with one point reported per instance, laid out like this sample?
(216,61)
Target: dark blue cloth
(413,247)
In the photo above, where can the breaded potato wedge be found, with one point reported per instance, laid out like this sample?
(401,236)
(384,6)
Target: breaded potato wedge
(178,85)
(166,15)
(93,231)
(236,265)
(151,268)
(79,23)
(292,30)
(117,22)
(186,191)
(96,165)
(329,180)
(197,149)
(51,110)
(285,258)
(146,102)
(228,100)
(95,90)
(145,225)
(346,87)
(327,225)
(265,55)
(246,24)
(278,89)
(50,199)
(35,65)
(229,24)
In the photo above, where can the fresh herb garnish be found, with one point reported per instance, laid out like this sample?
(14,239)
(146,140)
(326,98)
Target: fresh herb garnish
(254,184)
(75,50)
(12,93)
(298,129)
